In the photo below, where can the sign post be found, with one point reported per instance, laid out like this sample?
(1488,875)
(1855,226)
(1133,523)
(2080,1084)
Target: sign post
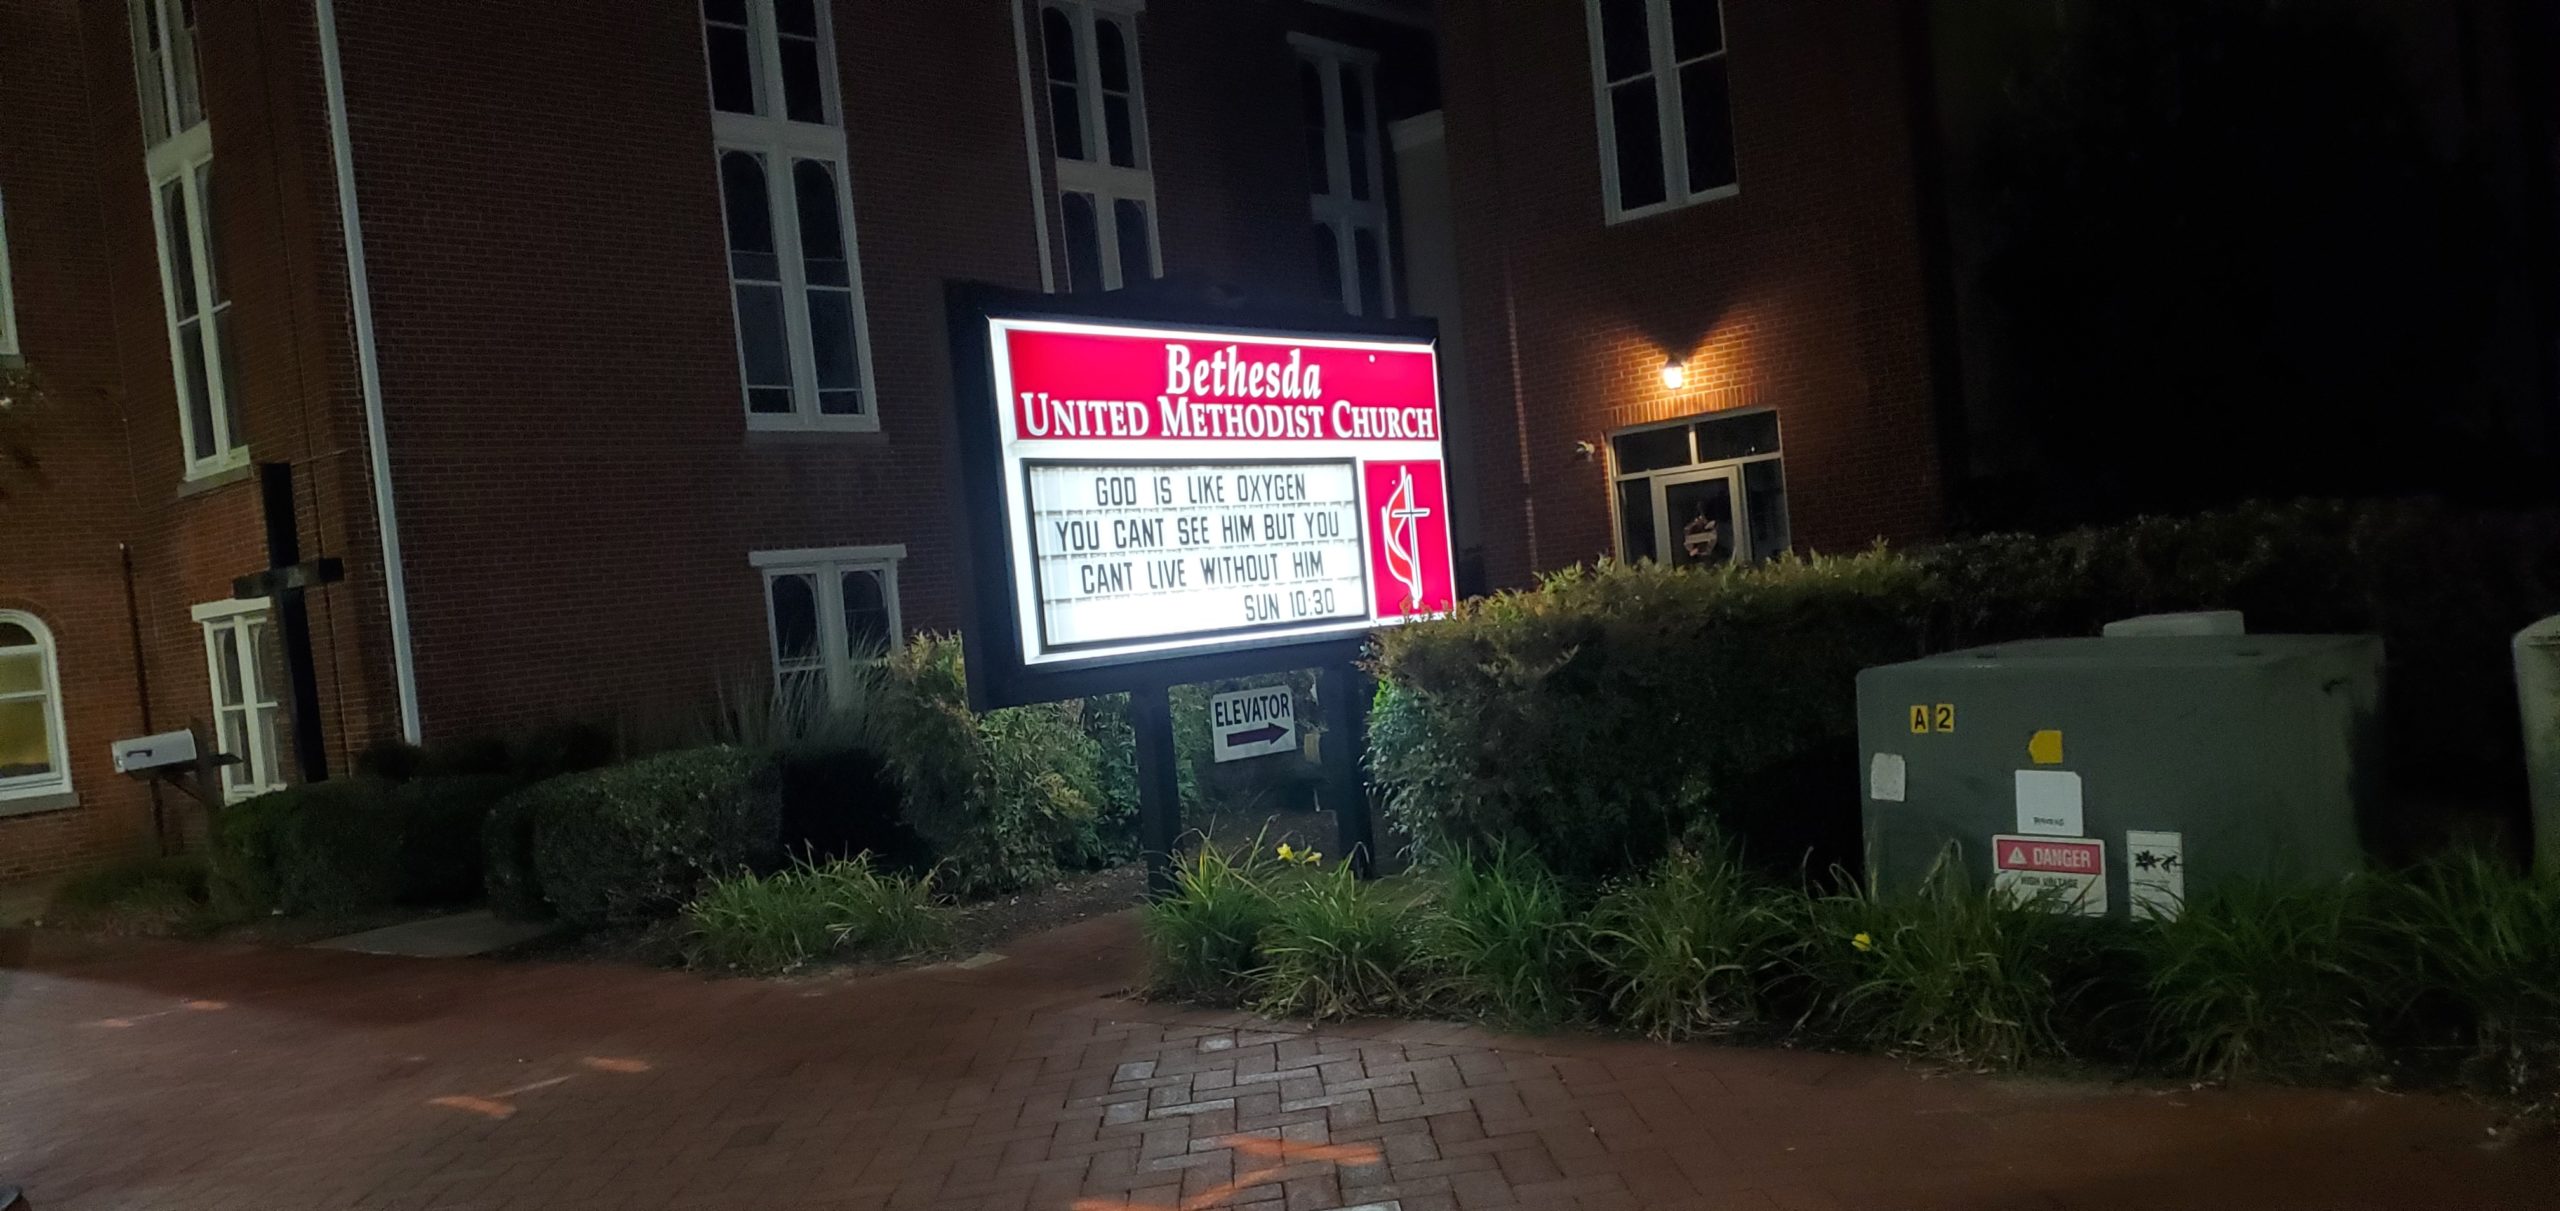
(1156,497)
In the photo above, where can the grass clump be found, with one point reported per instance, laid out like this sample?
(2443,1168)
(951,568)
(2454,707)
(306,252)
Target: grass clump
(810,912)
(2256,978)
(154,896)
(1946,971)
(1503,941)
(1336,947)
(1689,949)
(1204,941)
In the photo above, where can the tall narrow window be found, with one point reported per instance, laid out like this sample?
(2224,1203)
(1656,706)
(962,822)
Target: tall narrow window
(828,611)
(238,642)
(1338,98)
(795,270)
(8,307)
(1098,129)
(1665,106)
(33,762)
(178,152)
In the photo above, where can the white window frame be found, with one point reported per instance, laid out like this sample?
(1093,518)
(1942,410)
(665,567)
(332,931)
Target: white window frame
(261,706)
(8,299)
(1338,209)
(1097,177)
(1672,121)
(47,788)
(770,133)
(827,566)
(183,155)
(1739,466)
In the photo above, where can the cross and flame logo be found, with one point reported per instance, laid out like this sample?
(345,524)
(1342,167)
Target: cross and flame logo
(1400,523)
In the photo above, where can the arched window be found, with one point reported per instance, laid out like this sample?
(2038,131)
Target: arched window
(32,759)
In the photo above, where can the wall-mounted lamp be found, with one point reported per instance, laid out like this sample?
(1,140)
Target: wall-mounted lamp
(1674,375)
(1585,451)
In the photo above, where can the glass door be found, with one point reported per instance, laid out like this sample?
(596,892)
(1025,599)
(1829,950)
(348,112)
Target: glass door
(1698,518)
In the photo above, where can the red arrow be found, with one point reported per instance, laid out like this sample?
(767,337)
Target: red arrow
(1262,735)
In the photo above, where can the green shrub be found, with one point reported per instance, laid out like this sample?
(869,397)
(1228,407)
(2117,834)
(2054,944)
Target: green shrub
(141,895)
(1337,947)
(508,876)
(444,820)
(1945,971)
(328,848)
(771,924)
(1691,948)
(1204,939)
(2260,978)
(2482,940)
(633,843)
(1502,939)
(1002,798)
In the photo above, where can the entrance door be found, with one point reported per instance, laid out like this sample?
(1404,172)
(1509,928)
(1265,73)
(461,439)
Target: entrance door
(1698,518)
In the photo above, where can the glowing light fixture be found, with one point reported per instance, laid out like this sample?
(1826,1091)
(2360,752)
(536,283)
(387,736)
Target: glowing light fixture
(1674,374)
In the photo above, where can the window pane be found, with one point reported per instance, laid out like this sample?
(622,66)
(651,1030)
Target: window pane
(866,615)
(231,732)
(1764,490)
(212,246)
(226,666)
(151,56)
(1084,242)
(804,98)
(1697,28)
(1626,45)
(182,60)
(262,675)
(822,251)
(1637,124)
(1650,450)
(22,673)
(26,738)
(1111,47)
(1136,263)
(796,18)
(198,391)
(181,251)
(270,771)
(733,73)
(764,348)
(1707,116)
(1066,101)
(1311,101)
(831,339)
(1373,272)
(750,215)
(1355,130)
(734,12)
(795,617)
(1066,121)
(1328,263)
(1737,436)
(14,634)
(227,363)
(1116,124)
(1635,520)
(1058,45)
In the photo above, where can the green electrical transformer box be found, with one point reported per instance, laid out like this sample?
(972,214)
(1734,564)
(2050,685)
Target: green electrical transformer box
(2122,775)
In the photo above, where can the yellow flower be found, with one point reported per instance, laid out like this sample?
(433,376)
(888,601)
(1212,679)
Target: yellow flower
(1286,854)
(1864,941)
(1313,857)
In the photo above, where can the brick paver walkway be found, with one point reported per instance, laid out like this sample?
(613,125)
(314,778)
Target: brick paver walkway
(207,1078)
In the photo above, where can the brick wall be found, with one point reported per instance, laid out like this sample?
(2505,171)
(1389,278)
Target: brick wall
(1804,292)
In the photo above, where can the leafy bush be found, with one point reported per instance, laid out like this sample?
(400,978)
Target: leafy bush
(508,875)
(1002,798)
(140,895)
(1337,947)
(1945,971)
(633,843)
(770,924)
(1204,940)
(2257,978)
(1502,939)
(1594,720)
(1691,948)
(326,848)
(442,855)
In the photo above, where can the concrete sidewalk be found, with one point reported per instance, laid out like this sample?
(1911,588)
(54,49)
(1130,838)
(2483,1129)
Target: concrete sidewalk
(208,1077)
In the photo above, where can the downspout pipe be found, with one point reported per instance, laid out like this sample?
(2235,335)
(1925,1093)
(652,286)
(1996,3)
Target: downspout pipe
(395,579)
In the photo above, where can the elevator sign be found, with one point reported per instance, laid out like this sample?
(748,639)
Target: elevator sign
(1169,491)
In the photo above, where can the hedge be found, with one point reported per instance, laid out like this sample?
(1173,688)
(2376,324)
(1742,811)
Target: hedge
(352,844)
(633,843)
(1601,716)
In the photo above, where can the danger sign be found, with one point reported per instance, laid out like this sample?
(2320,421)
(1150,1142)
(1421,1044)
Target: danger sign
(2059,874)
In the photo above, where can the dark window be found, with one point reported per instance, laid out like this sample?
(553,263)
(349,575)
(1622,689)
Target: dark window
(1355,130)
(1373,272)
(1626,40)
(1737,436)
(1311,99)
(1119,123)
(1697,28)
(1651,449)
(733,73)
(1706,113)
(1066,104)
(1636,120)
(1137,264)
(866,615)
(1635,520)
(1329,263)
(1084,242)
(804,96)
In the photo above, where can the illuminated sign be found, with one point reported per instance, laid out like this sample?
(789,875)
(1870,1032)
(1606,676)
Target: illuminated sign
(1169,490)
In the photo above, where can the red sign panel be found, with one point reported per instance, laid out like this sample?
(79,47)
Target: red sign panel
(2049,857)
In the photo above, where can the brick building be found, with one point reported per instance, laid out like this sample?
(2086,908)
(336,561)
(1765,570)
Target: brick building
(603,340)
(1694,276)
